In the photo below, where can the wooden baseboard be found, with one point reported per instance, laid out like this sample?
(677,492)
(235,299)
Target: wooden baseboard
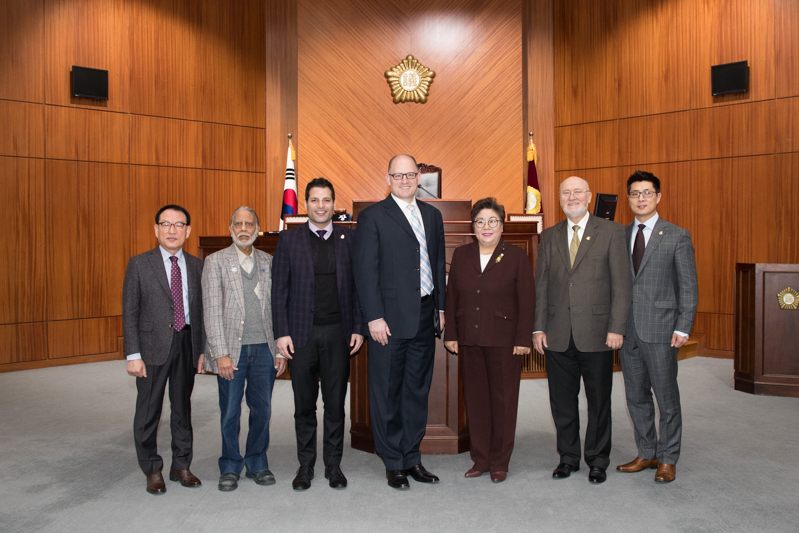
(718,354)
(46,363)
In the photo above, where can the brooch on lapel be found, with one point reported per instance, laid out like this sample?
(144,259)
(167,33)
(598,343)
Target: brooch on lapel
(342,236)
(588,238)
(499,257)
(263,270)
(661,233)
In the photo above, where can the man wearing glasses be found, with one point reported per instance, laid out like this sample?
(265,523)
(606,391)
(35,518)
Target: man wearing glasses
(661,317)
(162,320)
(398,263)
(582,289)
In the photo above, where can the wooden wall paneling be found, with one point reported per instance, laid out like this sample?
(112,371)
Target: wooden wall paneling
(733,130)
(733,30)
(756,184)
(87,135)
(23,343)
(87,33)
(538,91)
(281,101)
(719,333)
(88,242)
(22,50)
(348,126)
(234,53)
(71,338)
(783,233)
(592,145)
(787,125)
(165,142)
(151,188)
(166,66)
(654,139)
(786,47)
(22,134)
(472,126)
(234,148)
(22,263)
(223,192)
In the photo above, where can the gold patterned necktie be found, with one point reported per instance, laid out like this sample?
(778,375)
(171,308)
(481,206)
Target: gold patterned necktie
(575,245)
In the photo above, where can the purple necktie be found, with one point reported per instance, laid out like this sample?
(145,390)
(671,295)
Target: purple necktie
(321,233)
(177,295)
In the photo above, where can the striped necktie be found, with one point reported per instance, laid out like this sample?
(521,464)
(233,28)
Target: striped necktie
(424,267)
(575,245)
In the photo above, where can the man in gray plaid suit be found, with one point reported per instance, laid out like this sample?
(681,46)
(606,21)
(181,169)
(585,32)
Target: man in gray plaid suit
(241,347)
(660,320)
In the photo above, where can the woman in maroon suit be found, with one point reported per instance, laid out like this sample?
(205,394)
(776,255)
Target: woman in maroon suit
(489,314)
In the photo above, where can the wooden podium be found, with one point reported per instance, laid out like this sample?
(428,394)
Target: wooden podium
(766,335)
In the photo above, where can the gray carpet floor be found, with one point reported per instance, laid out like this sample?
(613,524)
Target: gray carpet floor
(67,464)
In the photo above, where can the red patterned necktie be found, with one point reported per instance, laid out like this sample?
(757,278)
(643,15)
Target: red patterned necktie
(177,295)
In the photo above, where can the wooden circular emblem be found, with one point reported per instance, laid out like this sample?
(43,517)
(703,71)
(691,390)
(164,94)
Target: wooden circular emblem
(409,81)
(788,298)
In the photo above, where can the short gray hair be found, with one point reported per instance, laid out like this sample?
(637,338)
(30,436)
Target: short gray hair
(245,208)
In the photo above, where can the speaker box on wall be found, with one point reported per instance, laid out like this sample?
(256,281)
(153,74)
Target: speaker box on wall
(730,78)
(89,83)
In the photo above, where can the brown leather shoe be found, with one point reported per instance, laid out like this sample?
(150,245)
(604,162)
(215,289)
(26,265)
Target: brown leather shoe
(474,472)
(155,483)
(638,464)
(186,478)
(665,473)
(498,477)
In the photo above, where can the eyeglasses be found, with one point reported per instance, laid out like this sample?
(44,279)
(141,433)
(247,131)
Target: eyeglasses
(166,225)
(646,194)
(575,192)
(492,223)
(407,176)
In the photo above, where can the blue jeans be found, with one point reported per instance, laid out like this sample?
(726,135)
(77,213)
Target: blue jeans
(256,366)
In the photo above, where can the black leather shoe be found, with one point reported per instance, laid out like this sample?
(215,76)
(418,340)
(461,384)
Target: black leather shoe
(564,470)
(302,481)
(264,477)
(420,474)
(336,477)
(397,479)
(597,475)
(228,481)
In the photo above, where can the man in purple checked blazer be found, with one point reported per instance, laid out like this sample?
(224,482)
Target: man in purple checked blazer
(318,326)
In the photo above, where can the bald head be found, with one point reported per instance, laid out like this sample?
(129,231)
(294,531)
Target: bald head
(405,167)
(575,195)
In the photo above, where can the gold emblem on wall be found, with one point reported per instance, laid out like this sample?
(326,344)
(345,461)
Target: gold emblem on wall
(789,298)
(410,81)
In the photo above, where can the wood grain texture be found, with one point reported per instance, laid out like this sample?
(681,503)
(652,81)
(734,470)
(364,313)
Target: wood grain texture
(733,130)
(22,133)
(87,135)
(469,44)
(281,100)
(233,148)
(787,125)
(728,31)
(22,262)
(22,50)
(166,63)
(784,239)
(718,331)
(786,47)
(87,33)
(71,338)
(151,188)
(538,91)
(234,56)
(165,142)
(88,238)
(223,192)
(23,343)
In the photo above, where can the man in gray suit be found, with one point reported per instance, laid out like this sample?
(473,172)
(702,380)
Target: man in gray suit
(582,288)
(162,320)
(241,347)
(661,317)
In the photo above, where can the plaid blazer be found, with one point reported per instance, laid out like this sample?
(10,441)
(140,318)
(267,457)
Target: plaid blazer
(293,285)
(223,304)
(665,292)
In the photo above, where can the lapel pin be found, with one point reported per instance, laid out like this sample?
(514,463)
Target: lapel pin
(342,236)
(234,269)
(588,238)
(661,233)
(499,258)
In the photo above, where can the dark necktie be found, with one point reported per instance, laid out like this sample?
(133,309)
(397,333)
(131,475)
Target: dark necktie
(638,248)
(176,285)
(321,233)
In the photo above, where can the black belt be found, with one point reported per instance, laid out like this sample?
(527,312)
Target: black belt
(425,298)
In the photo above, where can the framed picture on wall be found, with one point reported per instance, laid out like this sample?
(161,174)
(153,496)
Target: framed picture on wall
(429,182)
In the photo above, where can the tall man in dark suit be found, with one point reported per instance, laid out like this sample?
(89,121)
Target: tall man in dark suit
(582,293)
(665,296)
(162,320)
(398,262)
(318,325)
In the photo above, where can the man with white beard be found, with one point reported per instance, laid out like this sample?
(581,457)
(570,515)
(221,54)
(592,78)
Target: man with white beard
(241,347)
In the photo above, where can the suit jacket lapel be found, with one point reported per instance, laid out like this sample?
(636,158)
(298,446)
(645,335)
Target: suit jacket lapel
(589,236)
(157,264)
(493,260)
(654,240)
(189,278)
(264,278)
(341,257)
(305,246)
(396,213)
(628,232)
(561,236)
(232,268)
